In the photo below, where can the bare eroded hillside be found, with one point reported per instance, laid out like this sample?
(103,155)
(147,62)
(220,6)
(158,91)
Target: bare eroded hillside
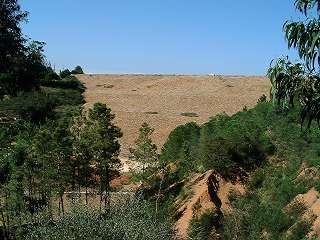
(162,100)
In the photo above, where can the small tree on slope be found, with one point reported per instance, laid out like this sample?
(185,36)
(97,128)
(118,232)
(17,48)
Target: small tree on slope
(145,151)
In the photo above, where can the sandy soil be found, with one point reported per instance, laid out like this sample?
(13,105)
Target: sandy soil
(200,200)
(161,99)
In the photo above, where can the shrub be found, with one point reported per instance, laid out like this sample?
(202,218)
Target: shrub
(234,145)
(189,114)
(65,73)
(188,133)
(35,107)
(127,221)
(262,99)
(65,96)
(203,227)
(300,230)
(67,83)
(77,70)
(51,76)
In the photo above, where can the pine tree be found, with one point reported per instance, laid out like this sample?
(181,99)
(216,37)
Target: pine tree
(145,151)
(105,146)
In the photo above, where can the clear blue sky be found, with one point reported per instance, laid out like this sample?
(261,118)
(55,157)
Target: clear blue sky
(161,36)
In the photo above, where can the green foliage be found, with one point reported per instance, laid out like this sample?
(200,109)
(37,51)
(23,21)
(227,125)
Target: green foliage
(286,79)
(273,187)
(51,75)
(300,230)
(233,146)
(188,134)
(69,82)
(145,151)
(22,64)
(104,144)
(12,49)
(300,81)
(304,36)
(203,227)
(77,70)
(128,221)
(263,143)
(35,106)
(65,96)
(65,73)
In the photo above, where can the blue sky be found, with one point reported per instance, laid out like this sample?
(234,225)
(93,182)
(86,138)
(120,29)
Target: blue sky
(161,36)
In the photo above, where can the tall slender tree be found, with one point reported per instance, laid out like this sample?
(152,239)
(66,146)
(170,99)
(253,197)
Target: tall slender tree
(105,146)
(145,151)
(82,153)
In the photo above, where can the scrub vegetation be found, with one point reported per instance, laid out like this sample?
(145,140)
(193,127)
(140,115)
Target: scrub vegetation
(58,160)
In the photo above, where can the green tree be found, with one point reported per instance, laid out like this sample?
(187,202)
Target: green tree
(77,70)
(82,154)
(105,146)
(145,151)
(65,73)
(11,38)
(286,79)
(305,35)
(51,75)
(22,64)
(300,81)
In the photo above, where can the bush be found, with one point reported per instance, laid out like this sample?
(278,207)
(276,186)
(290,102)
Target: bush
(300,230)
(65,96)
(51,76)
(35,107)
(234,146)
(67,83)
(77,70)
(126,221)
(186,134)
(204,227)
(65,73)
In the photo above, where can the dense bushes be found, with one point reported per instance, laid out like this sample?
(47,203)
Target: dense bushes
(266,149)
(65,73)
(35,106)
(133,220)
(22,63)
(69,82)
(51,75)
(234,146)
(180,148)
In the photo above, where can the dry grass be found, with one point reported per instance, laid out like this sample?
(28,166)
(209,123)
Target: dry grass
(132,97)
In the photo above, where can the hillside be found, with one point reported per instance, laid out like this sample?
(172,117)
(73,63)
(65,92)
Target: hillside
(162,100)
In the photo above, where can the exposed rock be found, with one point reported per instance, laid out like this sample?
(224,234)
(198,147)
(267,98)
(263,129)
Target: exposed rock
(209,192)
(311,201)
